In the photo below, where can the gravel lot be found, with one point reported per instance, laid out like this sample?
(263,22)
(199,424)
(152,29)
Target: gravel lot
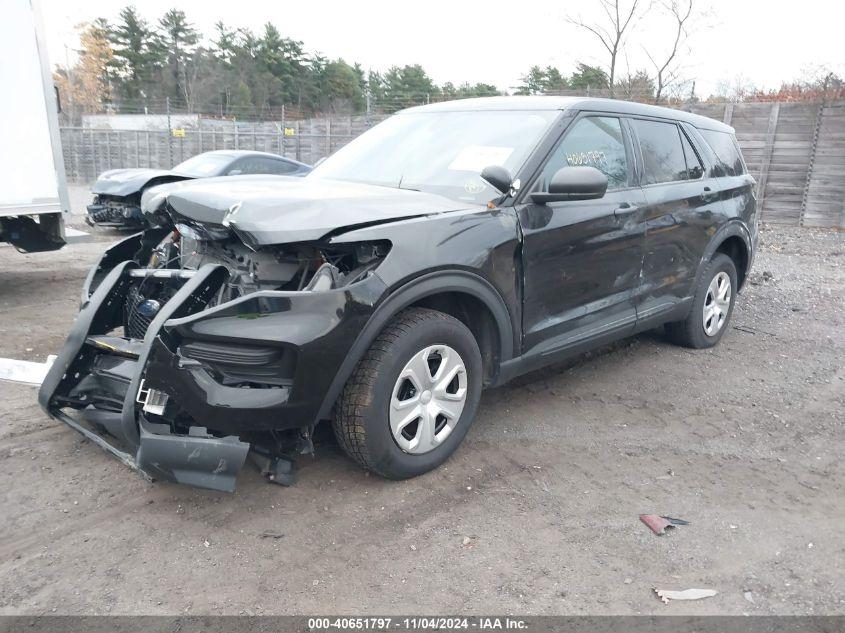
(537,513)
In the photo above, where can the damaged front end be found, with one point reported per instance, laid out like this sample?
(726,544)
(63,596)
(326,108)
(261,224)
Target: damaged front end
(191,349)
(117,196)
(121,212)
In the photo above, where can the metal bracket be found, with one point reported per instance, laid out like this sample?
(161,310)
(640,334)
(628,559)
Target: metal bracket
(277,469)
(153,400)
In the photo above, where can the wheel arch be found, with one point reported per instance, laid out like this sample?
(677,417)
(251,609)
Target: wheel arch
(465,296)
(733,240)
(477,317)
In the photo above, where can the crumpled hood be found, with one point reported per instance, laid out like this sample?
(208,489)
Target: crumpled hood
(124,182)
(153,198)
(289,209)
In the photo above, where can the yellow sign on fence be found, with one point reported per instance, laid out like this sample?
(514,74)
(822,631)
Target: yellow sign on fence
(289,131)
(179,132)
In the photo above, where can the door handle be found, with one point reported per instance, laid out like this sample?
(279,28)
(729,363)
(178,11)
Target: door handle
(625,208)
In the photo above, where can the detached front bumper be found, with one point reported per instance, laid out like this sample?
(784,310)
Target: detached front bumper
(231,373)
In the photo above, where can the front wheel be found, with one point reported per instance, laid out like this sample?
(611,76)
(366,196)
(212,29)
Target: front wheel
(712,306)
(412,398)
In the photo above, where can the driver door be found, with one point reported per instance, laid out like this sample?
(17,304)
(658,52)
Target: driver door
(582,260)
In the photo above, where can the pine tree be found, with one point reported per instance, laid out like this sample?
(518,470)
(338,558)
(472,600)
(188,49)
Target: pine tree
(175,43)
(407,86)
(586,76)
(135,58)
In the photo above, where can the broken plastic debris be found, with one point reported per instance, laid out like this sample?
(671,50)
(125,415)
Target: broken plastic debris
(269,534)
(687,594)
(655,523)
(658,524)
(675,521)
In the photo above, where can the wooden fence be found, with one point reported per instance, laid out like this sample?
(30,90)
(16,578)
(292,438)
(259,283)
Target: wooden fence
(796,151)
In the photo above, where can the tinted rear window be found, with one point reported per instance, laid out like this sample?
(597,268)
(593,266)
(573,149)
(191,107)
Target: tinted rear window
(663,155)
(727,151)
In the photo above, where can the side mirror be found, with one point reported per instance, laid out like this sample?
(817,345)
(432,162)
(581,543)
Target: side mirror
(573,183)
(234,172)
(498,176)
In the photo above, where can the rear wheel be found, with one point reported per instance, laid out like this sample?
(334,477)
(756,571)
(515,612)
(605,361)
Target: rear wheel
(712,306)
(411,399)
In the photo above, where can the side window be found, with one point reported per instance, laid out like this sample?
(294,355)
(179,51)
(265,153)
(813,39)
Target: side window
(278,166)
(263,165)
(240,166)
(695,168)
(594,141)
(725,147)
(663,154)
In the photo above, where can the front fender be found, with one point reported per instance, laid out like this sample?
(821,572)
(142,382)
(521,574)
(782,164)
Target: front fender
(420,288)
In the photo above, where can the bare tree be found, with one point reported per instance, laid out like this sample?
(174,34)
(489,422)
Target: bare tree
(610,32)
(681,11)
(734,89)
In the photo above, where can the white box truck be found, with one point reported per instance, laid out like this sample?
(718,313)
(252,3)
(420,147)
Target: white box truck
(33,191)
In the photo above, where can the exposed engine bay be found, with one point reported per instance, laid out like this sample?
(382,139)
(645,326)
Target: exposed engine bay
(294,267)
(298,267)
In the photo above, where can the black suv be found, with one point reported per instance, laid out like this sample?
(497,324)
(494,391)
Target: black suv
(448,249)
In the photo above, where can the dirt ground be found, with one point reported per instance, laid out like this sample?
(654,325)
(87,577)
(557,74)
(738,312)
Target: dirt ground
(537,513)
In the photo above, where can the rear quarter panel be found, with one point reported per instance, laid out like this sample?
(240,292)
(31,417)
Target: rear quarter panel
(737,193)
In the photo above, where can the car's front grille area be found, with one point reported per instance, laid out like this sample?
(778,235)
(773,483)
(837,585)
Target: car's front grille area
(136,323)
(144,299)
(103,213)
(110,210)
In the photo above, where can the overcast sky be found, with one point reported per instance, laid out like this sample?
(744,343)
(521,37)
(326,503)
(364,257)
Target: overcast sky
(495,42)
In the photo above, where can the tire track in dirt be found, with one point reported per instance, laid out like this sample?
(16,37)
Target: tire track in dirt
(11,548)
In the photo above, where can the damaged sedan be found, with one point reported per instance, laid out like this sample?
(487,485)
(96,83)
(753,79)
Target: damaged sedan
(450,248)
(118,192)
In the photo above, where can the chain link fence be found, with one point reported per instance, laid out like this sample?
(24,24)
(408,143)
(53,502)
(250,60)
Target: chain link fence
(89,151)
(796,151)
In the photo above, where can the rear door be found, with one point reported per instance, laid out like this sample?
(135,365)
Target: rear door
(683,208)
(581,260)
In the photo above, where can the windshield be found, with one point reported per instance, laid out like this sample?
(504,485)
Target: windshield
(439,152)
(204,165)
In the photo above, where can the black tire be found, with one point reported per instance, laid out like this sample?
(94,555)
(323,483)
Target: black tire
(361,422)
(690,332)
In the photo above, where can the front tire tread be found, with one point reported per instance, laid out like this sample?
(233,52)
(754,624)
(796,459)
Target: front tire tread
(359,392)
